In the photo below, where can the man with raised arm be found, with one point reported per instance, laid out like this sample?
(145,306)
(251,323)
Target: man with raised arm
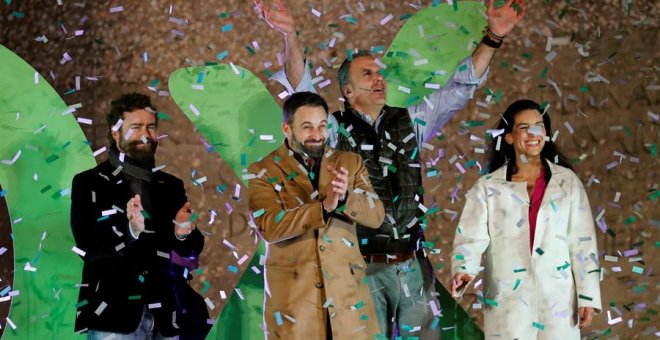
(399,275)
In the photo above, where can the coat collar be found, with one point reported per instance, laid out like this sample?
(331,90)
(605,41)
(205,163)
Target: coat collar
(555,188)
(285,160)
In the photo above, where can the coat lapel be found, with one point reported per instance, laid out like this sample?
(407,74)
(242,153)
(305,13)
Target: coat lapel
(285,161)
(553,191)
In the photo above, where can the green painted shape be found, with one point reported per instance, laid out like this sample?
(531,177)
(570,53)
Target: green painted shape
(229,105)
(444,45)
(37,312)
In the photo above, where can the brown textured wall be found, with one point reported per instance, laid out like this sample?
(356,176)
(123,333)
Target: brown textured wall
(607,117)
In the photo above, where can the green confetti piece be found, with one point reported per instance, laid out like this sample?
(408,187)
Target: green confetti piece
(252,140)
(540,251)
(460,257)
(243,159)
(52,158)
(544,72)
(640,289)
(584,88)
(273,180)
(224,15)
(473,123)
(564,266)
(455,5)
(638,270)
(193,217)
(517,284)
(538,325)
(250,50)
(46,188)
(391,168)
(82,304)
(162,115)
(463,67)
(630,220)
(291,176)
(405,16)
(135,297)
(141,278)
(18,14)
(464,30)
(584,297)
(627,131)
(563,12)
(340,209)
(607,332)
(268,73)
(519,270)
(526,55)
(145,214)
(396,198)
(279,216)
(364,317)
(432,211)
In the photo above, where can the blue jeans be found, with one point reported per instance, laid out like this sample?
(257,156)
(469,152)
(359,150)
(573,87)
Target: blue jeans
(403,294)
(145,331)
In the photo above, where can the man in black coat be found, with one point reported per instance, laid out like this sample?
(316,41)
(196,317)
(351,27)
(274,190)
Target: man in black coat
(132,223)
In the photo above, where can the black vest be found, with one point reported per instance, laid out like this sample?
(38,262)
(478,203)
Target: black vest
(392,146)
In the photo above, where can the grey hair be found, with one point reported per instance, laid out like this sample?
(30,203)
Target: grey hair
(344,73)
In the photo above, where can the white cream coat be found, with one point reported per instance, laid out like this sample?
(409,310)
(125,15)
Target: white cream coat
(530,296)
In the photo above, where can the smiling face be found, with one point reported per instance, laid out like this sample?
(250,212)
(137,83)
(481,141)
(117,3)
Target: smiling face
(528,134)
(366,87)
(137,136)
(307,133)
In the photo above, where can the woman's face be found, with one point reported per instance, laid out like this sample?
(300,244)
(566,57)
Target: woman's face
(528,134)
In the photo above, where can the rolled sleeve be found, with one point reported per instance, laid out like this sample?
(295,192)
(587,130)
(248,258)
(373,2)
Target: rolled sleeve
(305,83)
(440,106)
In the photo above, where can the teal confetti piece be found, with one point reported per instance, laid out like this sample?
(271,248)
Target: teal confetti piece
(359,305)
(82,304)
(420,122)
(364,317)
(243,159)
(564,266)
(396,198)
(517,284)
(145,214)
(414,153)
(206,287)
(222,55)
(377,49)
(221,188)
(540,251)
(364,242)
(630,220)
(226,28)
(258,212)
(405,16)
(279,216)
(103,218)
(519,270)
(460,256)
(18,14)
(326,239)
(311,175)
(141,278)
(638,270)
(432,173)
(538,325)
(71,91)
(463,67)
(135,297)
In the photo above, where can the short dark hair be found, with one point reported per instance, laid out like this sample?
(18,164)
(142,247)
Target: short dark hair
(298,99)
(126,103)
(344,73)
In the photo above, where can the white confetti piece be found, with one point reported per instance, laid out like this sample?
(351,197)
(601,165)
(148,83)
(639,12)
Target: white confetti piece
(386,19)
(79,251)
(194,109)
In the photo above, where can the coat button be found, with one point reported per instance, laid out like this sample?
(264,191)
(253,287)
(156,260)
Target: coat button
(321,248)
(319,285)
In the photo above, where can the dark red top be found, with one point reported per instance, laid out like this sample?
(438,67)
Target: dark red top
(537,197)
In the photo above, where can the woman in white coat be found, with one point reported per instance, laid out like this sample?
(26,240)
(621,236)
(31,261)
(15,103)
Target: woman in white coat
(531,216)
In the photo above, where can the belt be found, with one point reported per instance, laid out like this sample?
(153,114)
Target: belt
(389,258)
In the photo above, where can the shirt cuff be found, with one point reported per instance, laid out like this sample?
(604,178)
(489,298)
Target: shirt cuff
(130,230)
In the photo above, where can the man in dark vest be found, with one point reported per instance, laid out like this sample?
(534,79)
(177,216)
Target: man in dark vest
(389,140)
(132,226)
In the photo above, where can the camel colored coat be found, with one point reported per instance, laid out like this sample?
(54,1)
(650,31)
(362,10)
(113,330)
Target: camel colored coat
(530,296)
(311,264)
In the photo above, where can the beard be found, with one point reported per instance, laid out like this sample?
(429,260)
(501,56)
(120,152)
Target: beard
(138,150)
(307,147)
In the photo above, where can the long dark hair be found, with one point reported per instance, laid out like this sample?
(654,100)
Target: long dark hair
(506,154)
